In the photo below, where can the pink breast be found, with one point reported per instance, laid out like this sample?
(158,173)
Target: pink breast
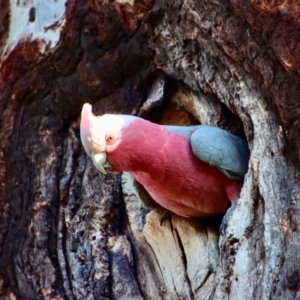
(165,165)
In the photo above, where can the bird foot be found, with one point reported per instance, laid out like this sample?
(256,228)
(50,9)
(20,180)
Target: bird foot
(166,215)
(226,218)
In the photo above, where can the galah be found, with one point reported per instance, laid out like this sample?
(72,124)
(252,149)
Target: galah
(193,171)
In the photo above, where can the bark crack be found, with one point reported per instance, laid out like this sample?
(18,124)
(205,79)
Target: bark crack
(68,169)
(184,259)
(135,258)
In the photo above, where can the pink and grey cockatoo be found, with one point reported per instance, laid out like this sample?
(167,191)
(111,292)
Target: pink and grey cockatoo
(193,171)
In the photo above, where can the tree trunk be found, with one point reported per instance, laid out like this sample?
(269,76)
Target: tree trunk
(68,232)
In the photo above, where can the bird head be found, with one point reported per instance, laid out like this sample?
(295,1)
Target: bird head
(101,134)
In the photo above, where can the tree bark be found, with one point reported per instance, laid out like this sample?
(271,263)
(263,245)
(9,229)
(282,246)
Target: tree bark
(68,232)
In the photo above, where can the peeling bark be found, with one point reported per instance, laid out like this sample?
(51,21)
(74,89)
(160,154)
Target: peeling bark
(67,232)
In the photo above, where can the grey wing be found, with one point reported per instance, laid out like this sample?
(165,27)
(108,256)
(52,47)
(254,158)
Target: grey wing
(185,131)
(222,149)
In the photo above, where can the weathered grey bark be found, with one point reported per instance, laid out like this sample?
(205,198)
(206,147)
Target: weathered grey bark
(67,232)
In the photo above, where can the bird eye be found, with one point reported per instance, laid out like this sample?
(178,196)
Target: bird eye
(110,138)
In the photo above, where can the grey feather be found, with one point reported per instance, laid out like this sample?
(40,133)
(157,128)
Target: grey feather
(222,149)
(186,131)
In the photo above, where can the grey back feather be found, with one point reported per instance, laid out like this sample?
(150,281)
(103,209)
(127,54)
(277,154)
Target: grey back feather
(222,149)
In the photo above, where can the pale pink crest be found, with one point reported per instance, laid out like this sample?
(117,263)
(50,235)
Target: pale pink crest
(85,125)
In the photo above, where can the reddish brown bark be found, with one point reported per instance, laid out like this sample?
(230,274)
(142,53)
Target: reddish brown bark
(66,231)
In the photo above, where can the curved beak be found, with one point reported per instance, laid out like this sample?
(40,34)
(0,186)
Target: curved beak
(99,160)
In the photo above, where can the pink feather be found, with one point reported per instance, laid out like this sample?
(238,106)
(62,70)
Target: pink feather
(164,164)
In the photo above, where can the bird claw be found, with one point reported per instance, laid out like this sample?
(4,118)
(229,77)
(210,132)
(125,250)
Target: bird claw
(226,218)
(165,216)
